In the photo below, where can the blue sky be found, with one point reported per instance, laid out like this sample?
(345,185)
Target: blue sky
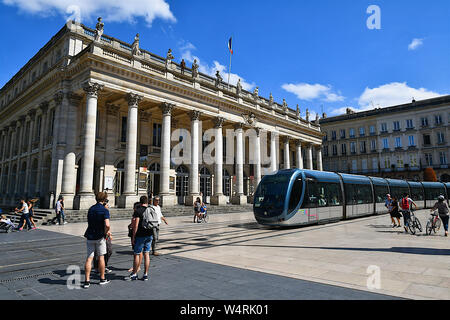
(311,53)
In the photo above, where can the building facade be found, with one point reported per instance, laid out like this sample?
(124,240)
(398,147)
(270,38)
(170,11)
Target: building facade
(91,113)
(394,142)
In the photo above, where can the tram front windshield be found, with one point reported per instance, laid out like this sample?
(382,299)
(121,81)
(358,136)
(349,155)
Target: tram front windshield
(271,194)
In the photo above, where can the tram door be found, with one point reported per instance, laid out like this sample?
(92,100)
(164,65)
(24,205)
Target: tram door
(182,184)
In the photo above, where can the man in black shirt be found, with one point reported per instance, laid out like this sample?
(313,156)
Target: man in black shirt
(97,232)
(141,240)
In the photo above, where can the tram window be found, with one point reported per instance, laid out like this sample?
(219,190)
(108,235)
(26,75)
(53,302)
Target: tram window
(358,194)
(334,194)
(296,194)
(399,192)
(321,194)
(433,193)
(416,194)
(380,193)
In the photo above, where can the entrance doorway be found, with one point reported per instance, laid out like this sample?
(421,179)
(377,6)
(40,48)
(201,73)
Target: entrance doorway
(154,179)
(182,188)
(205,184)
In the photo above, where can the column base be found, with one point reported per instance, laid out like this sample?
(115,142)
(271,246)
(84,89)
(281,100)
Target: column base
(219,200)
(189,200)
(69,200)
(168,200)
(127,201)
(239,200)
(84,201)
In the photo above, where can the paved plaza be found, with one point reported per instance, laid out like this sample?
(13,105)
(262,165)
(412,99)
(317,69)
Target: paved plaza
(234,258)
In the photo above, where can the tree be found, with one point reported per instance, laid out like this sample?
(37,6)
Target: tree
(429,175)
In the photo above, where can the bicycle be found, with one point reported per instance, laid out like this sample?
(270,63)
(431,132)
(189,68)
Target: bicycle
(204,218)
(414,223)
(433,224)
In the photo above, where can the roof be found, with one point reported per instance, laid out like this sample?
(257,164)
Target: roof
(382,111)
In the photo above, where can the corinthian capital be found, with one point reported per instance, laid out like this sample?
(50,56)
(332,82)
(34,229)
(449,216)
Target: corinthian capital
(167,108)
(92,88)
(133,99)
(195,115)
(58,97)
(218,122)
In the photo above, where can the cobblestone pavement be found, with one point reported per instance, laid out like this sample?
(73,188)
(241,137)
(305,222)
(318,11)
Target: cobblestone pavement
(234,258)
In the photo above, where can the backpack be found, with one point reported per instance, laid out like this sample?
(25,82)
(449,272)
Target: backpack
(405,204)
(149,219)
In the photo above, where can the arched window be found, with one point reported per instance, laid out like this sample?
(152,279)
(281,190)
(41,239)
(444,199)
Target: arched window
(205,172)
(182,169)
(155,167)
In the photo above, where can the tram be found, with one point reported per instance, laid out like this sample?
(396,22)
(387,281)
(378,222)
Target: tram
(303,197)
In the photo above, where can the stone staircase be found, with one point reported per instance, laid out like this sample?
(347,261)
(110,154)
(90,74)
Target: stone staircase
(74,216)
(40,217)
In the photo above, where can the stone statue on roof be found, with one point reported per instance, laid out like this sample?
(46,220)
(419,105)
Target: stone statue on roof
(238,87)
(169,59)
(307,115)
(135,46)
(195,67)
(256,93)
(298,112)
(285,106)
(99,29)
(271,100)
(219,78)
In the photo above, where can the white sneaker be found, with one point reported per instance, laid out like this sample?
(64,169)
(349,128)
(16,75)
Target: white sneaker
(65,222)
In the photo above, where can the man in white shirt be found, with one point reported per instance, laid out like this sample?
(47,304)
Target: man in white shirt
(160,217)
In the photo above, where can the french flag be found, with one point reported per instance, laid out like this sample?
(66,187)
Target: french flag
(230,45)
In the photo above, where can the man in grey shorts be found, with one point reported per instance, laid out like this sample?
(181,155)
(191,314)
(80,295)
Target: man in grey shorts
(97,232)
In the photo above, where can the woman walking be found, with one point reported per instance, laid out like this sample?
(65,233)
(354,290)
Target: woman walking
(197,207)
(443,211)
(395,212)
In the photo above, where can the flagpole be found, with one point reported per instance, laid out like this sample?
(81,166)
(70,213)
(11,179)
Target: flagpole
(229,72)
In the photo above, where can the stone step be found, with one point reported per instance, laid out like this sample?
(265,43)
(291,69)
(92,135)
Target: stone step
(122,214)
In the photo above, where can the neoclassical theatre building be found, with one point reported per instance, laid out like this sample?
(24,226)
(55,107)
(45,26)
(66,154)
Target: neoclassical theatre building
(91,113)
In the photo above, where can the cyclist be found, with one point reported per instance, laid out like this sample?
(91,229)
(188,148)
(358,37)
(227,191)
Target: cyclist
(405,204)
(443,211)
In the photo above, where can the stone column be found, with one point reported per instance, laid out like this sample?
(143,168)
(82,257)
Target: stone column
(273,151)
(287,161)
(257,158)
(18,147)
(240,198)
(319,158)
(112,133)
(218,199)
(32,116)
(168,199)
(130,196)
(58,145)
(298,146)
(193,175)
(309,157)
(13,128)
(69,172)
(40,179)
(86,198)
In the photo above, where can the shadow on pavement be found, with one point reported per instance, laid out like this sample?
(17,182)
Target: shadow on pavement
(408,250)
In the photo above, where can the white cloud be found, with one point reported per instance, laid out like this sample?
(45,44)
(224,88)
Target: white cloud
(416,43)
(308,92)
(186,49)
(388,95)
(110,10)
